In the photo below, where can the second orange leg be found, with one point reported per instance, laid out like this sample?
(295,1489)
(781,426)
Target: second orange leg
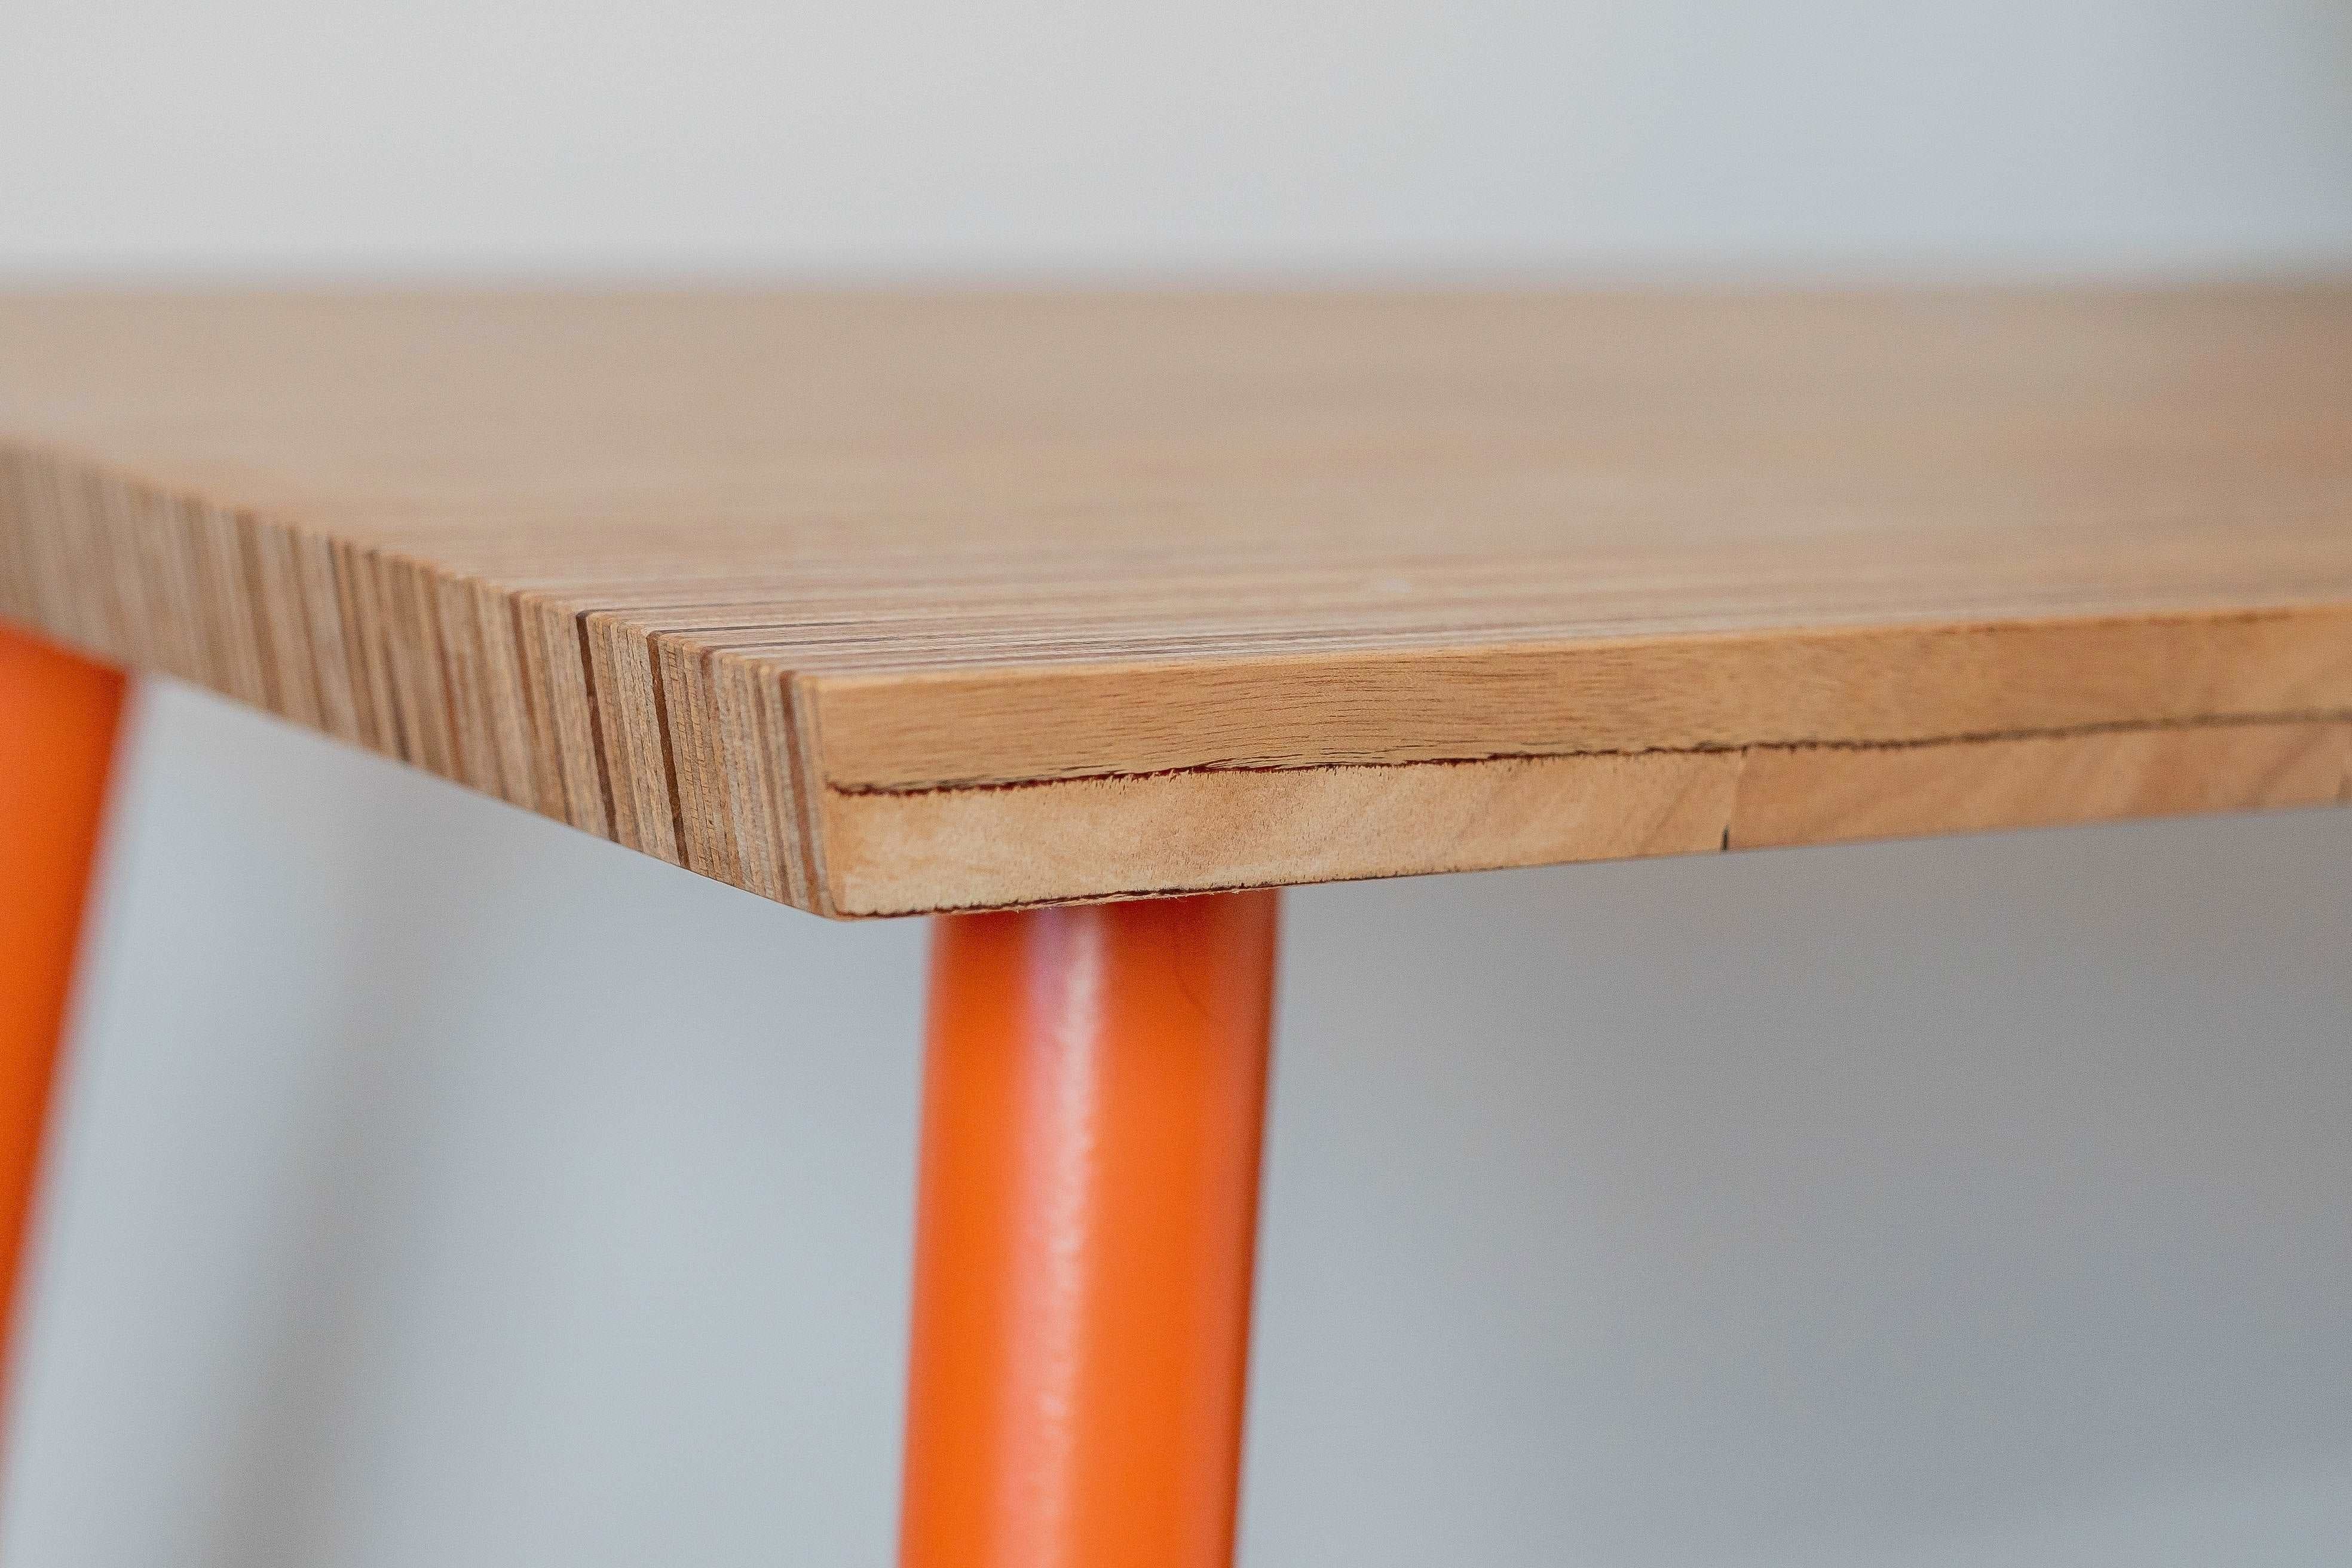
(59,715)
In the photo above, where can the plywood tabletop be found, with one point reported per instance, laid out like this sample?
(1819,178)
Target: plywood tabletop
(885,603)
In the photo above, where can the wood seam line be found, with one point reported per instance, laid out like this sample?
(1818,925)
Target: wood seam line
(1726,842)
(657,677)
(1740,748)
(597,728)
(778,787)
(800,752)
(547,794)
(250,557)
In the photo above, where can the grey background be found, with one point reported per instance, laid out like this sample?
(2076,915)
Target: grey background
(434,1186)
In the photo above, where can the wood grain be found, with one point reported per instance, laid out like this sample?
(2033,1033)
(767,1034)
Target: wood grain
(884,603)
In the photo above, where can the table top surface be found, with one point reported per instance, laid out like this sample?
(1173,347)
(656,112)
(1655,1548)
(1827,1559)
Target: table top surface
(893,601)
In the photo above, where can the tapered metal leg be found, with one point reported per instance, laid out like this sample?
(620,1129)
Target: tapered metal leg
(1093,1106)
(59,714)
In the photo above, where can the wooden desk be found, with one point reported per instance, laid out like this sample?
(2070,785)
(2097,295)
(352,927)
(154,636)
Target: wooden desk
(887,604)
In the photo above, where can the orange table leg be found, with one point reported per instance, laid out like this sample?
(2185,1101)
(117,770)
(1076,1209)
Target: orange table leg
(58,720)
(1093,1105)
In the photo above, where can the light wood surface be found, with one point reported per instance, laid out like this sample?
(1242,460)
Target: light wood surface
(888,602)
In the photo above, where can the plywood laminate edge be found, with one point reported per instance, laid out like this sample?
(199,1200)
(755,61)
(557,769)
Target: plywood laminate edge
(892,793)
(561,707)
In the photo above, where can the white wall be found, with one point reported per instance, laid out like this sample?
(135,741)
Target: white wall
(699,133)
(435,1186)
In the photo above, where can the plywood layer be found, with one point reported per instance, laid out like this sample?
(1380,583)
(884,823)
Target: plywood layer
(885,603)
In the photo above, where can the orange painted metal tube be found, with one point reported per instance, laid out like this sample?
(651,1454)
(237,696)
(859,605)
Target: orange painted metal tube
(59,715)
(1094,1102)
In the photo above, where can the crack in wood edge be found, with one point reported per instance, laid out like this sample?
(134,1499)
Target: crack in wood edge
(1722,837)
(1717,748)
